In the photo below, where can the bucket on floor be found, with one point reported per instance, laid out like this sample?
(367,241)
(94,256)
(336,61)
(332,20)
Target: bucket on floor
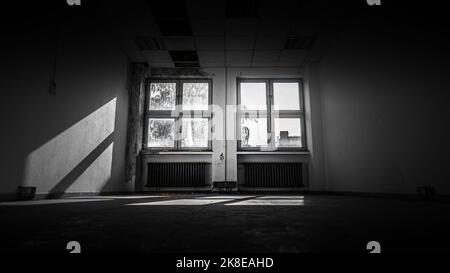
(26,193)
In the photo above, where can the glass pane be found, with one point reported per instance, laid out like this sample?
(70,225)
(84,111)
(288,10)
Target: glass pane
(253,132)
(162,96)
(253,96)
(195,132)
(288,132)
(286,96)
(195,96)
(161,132)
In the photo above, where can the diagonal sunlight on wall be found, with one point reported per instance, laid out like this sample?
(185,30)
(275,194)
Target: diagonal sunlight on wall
(80,157)
(96,175)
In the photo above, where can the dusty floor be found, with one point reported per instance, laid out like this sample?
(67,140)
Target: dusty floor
(225,223)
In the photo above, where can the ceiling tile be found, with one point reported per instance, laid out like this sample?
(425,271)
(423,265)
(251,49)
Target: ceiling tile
(292,56)
(300,27)
(279,9)
(210,42)
(241,27)
(242,8)
(240,42)
(157,57)
(206,9)
(270,42)
(239,57)
(133,20)
(179,43)
(213,27)
(149,43)
(136,57)
(127,44)
(272,27)
(211,56)
(266,56)
(319,48)
(131,29)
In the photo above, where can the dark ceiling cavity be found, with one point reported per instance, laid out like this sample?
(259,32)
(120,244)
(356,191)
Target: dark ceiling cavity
(169,9)
(174,27)
(150,43)
(172,17)
(242,8)
(300,42)
(185,58)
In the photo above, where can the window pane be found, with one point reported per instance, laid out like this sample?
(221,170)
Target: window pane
(253,132)
(253,96)
(162,96)
(288,132)
(195,96)
(161,132)
(195,132)
(286,96)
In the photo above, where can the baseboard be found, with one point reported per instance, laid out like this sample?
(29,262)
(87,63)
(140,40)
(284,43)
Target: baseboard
(206,188)
(39,196)
(270,190)
(397,196)
(6,197)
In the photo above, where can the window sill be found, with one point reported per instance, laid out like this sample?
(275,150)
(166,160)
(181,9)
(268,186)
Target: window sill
(273,153)
(176,153)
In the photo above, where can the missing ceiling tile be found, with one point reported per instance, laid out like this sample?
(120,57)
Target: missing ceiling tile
(169,9)
(175,27)
(172,17)
(184,58)
(184,55)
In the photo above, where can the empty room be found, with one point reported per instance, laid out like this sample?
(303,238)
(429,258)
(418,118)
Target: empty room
(232,128)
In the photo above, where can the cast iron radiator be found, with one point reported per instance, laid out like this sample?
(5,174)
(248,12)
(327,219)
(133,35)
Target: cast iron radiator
(176,174)
(273,175)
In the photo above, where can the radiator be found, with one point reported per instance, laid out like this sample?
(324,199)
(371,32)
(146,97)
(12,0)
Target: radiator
(176,174)
(273,175)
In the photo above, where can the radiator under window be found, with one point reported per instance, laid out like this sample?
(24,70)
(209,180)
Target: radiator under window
(274,175)
(178,174)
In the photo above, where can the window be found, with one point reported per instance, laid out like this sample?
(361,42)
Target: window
(271,115)
(178,115)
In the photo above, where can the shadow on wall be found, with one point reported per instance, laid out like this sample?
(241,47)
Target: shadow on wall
(79,160)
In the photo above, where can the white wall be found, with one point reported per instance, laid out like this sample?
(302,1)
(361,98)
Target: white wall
(385,109)
(75,140)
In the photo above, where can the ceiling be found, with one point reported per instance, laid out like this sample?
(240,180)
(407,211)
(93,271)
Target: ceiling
(205,33)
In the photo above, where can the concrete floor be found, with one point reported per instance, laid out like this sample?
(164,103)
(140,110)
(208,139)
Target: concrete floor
(225,223)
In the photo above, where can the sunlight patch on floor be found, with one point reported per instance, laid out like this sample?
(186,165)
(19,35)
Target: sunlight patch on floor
(230,201)
(118,197)
(181,202)
(281,197)
(260,202)
(227,197)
